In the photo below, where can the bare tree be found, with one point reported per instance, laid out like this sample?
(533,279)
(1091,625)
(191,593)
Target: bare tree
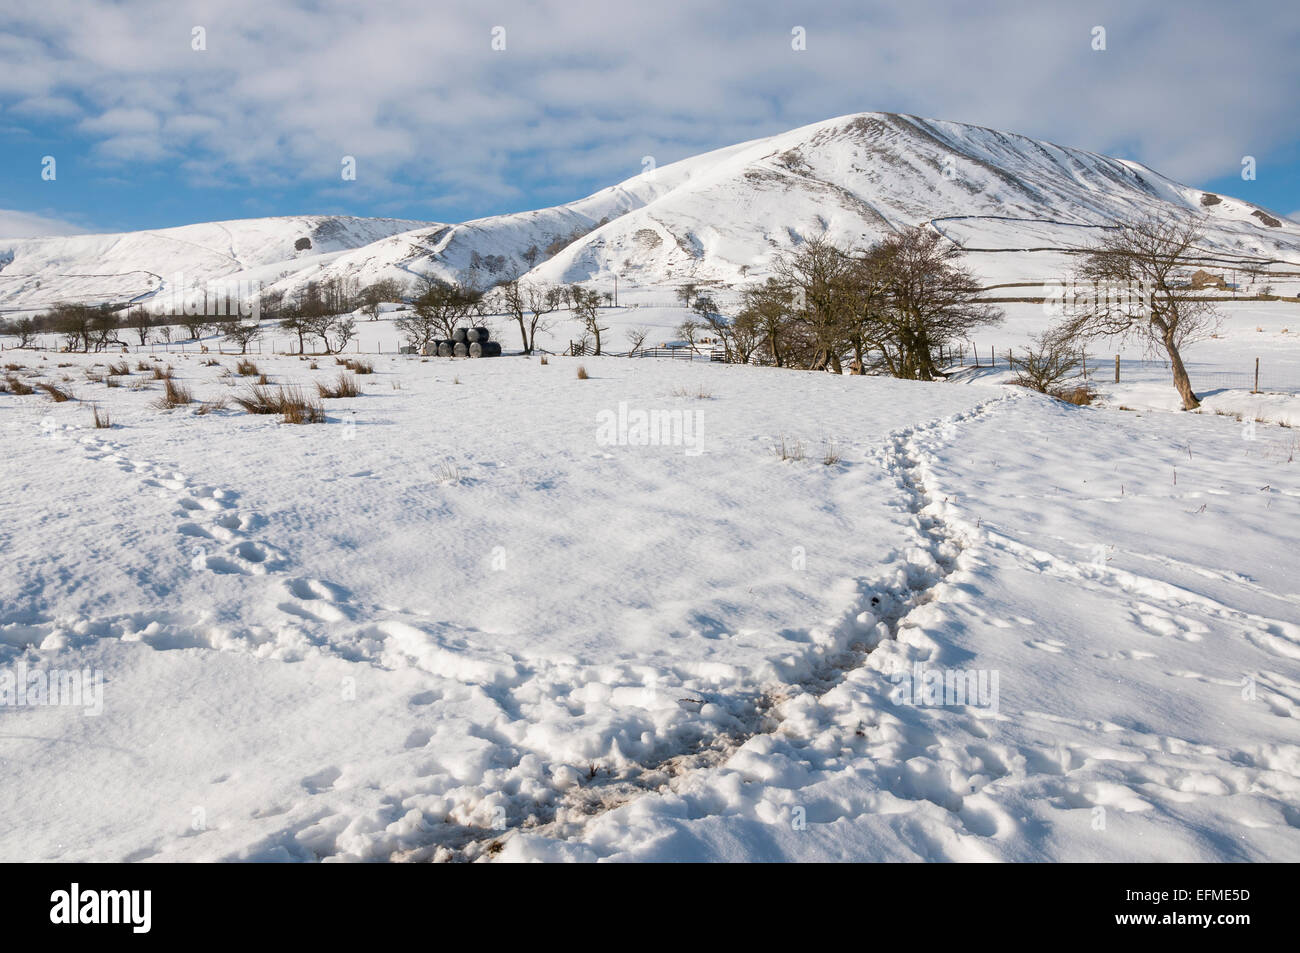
(586,306)
(242,334)
(688,330)
(932,299)
(1133,273)
(636,338)
(140,321)
(25,328)
(528,304)
(438,308)
(383,291)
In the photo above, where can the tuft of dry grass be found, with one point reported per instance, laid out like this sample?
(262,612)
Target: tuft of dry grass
(1079,396)
(161,373)
(57,394)
(358,366)
(831,456)
(699,393)
(208,406)
(345,386)
(174,395)
(313,366)
(582,373)
(544,360)
(112,382)
(289,402)
(297,409)
(247,369)
(101,418)
(13,367)
(119,370)
(143,366)
(789,449)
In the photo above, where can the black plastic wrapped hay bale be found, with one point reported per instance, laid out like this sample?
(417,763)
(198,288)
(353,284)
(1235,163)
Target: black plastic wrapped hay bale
(459,336)
(446,349)
(485,349)
(477,335)
(461,349)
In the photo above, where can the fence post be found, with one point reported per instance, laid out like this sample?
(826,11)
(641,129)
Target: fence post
(1085,364)
(1116,368)
(1256,390)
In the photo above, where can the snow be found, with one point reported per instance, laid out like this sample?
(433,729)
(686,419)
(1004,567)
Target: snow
(489,610)
(455,623)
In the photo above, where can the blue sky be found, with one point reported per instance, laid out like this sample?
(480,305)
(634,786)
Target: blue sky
(148,131)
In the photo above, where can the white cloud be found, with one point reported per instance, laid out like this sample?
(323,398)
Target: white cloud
(415,92)
(15,224)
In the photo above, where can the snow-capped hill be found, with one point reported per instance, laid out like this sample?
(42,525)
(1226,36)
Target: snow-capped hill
(1014,202)
(39,272)
(858,178)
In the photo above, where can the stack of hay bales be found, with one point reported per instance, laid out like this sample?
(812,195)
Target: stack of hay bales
(473,342)
(465,342)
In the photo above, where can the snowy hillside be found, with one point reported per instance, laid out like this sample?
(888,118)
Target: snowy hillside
(39,272)
(1014,202)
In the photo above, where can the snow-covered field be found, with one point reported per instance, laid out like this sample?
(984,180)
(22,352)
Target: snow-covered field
(472,616)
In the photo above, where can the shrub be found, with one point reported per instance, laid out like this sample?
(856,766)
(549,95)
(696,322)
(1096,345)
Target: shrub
(1045,367)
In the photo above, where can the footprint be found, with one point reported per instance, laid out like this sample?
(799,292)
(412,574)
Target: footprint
(322,780)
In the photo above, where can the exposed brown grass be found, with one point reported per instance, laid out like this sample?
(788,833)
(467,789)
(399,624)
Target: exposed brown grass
(162,373)
(143,366)
(57,394)
(1079,396)
(582,373)
(119,370)
(247,369)
(289,402)
(174,395)
(13,367)
(208,406)
(345,386)
(358,366)
(101,418)
(544,360)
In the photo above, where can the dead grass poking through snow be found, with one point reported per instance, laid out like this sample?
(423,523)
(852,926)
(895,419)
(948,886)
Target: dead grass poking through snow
(101,418)
(208,406)
(247,369)
(791,449)
(57,394)
(345,386)
(1079,396)
(699,393)
(18,386)
(289,402)
(582,373)
(174,395)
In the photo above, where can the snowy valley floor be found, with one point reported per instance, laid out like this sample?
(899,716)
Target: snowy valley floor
(453,622)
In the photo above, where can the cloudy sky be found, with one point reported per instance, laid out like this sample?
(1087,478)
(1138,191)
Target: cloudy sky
(146,131)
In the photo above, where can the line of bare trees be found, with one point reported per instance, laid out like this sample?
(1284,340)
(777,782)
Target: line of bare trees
(885,309)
